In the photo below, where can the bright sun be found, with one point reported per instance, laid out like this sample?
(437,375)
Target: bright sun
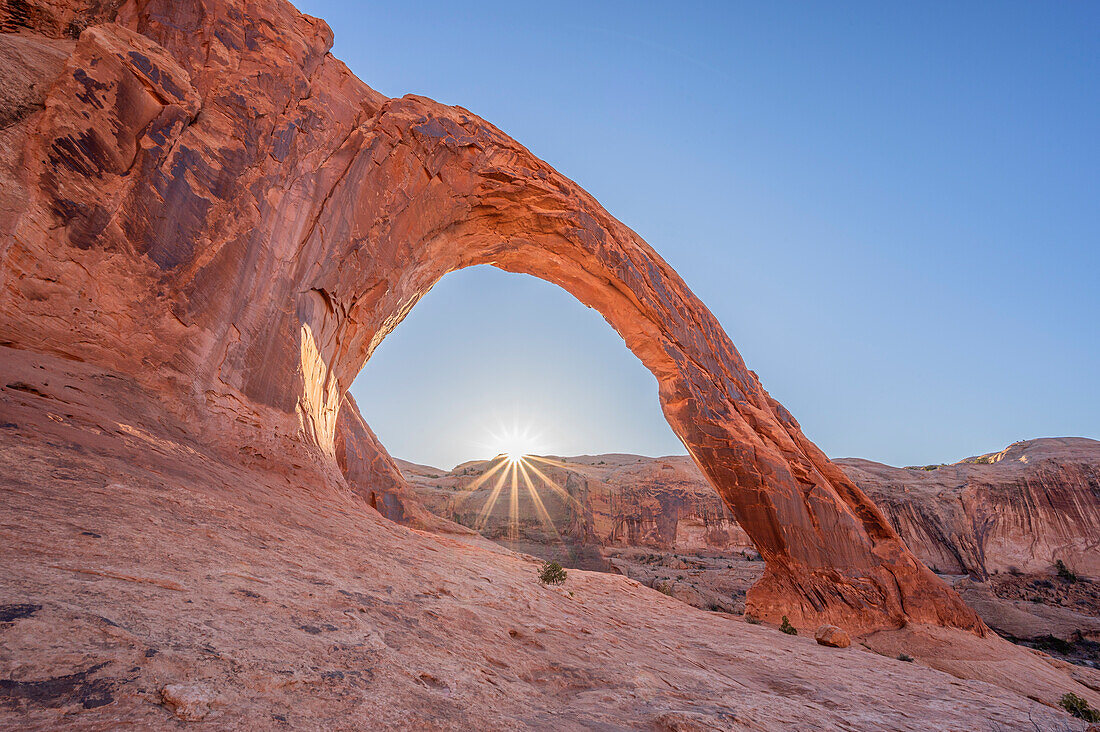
(515,443)
(517,468)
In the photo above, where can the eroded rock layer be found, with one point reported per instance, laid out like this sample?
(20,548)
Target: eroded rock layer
(1024,509)
(197,195)
(1020,510)
(588,501)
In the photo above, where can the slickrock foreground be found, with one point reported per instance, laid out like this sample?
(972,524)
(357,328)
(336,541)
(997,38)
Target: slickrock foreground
(160,580)
(207,224)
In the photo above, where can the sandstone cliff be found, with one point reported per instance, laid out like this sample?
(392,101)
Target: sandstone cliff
(589,501)
(1021,509)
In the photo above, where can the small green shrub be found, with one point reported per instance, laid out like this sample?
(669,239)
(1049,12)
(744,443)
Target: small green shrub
(1064,572)
(552,573)
(905,657)
(1079,708)
(786,627)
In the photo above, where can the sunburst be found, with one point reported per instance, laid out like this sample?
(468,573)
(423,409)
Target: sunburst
(513,468)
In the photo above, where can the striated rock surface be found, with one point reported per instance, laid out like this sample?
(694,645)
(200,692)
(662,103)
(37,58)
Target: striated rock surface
(1021,509)
(198,196)
(587,502)
(151,577)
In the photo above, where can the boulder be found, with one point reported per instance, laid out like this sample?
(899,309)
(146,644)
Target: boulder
(832,636)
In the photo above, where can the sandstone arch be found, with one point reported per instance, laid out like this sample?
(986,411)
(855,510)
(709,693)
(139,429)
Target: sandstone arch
(224,212)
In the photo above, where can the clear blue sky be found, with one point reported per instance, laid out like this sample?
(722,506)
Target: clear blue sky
(892,208)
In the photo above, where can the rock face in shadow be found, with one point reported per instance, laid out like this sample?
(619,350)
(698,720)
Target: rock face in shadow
(583,504)
(1023,509)
(374,476)
(205,200)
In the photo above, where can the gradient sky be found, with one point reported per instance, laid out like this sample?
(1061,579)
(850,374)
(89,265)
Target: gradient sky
(892,208)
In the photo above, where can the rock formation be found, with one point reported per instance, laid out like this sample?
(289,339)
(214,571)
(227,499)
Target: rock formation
(200,197)
(207,224)
(1021,509)
(1003,519)
(588,502)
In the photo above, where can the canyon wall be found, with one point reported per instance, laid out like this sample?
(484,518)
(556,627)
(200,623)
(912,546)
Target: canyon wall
(588,501)
(1022,509)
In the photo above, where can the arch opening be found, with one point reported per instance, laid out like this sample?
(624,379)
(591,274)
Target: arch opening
(486,394)
(490,362)
(428,190)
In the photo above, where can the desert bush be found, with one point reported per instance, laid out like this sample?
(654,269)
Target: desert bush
(552,573)
(786,627)
(905,657)
(1079,708)
(751,619)
(1064,572)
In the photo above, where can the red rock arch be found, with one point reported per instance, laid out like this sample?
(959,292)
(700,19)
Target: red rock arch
(440,190)
(238,222)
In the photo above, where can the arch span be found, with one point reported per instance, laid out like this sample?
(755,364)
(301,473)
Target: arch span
(224,212)
(439,190)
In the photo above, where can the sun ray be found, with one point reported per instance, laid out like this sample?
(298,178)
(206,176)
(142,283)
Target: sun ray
(540,508)
(514,504)
(491,501)
(555,487)
(480,480)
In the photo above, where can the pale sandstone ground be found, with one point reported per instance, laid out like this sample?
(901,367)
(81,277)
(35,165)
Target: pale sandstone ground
(172,577)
